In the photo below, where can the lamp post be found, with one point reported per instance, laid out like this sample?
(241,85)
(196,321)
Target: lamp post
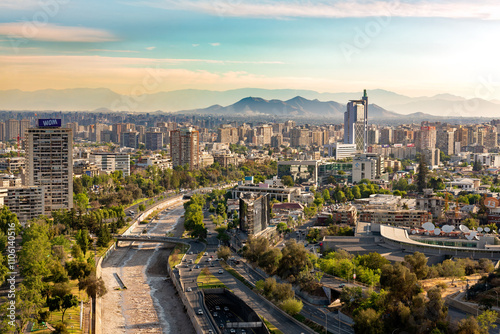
(497,296)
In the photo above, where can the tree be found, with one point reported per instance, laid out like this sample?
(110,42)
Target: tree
(471,223)
(292,306)
(468,326)
(487,320)
(82,201)
(294,259)
(368,322)
(83,240)
(141,207)
(422,173)
(326,196)
(224,252)
(356,192)
(287,181)
(478,166)
(398,279)
(94,286)
(60,328)
(417,263)
(8,219)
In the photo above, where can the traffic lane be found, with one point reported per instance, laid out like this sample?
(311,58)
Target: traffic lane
(309,311)
(262,306)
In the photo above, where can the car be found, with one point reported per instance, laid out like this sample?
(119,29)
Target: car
(217,308)
(243,331)
(226,309)
(200,311)
(190,269)
(210,331)
(205,254)
(212,264)
(232,331)
(190,253)
(341,285)
(197,267)
(221,271)
(221,325)
(189,289)
(216,314)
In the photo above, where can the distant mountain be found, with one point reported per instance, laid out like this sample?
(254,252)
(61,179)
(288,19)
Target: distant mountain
(270,102)
(448,106)
(295,107)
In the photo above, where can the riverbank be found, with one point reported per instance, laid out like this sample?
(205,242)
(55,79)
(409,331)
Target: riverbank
(150,303)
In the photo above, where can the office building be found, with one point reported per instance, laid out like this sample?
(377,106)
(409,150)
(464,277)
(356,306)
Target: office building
(356,123)
(112,162)
(255,212)
(130,138)
(185,147)
(367,166)
(49,163)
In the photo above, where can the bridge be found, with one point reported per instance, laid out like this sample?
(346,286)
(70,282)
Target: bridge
(194,245)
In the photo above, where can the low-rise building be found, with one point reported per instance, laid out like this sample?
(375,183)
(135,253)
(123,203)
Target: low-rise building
(26,202)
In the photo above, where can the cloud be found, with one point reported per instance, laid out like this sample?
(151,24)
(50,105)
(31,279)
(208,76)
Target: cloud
(119,51)
(481,9)
(195,45)
(151,48)
(54,33)
(214,44)
(19,4)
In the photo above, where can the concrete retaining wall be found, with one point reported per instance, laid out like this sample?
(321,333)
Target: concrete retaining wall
(97,304)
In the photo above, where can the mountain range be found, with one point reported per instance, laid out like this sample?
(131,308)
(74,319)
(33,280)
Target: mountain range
(246,101)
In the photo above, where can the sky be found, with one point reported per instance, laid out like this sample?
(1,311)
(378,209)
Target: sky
(412,47)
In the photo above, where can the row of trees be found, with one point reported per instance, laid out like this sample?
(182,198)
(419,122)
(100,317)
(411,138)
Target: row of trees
(46,271)
(193,217)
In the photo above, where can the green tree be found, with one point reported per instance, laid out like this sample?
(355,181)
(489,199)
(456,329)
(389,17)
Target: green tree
(478,166)
(294,259)
(356,192)
(292,306)
(141,207)
(422,173)
(224,252)
(417,263)
(287,181)
(82,201)
(326,196)
(469,326)
(368,322)
(487,320)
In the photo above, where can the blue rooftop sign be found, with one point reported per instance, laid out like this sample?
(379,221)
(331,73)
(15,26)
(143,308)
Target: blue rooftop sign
(46,123)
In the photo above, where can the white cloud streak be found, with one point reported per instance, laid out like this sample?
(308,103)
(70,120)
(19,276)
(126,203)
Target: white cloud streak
(481,9)
(54,33)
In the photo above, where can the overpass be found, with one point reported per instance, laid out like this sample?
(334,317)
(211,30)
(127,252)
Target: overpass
(194,245)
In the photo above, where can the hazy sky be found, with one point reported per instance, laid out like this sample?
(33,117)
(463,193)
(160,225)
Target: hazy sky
(413,47)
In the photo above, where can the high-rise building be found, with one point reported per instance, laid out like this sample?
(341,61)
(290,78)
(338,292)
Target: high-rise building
(49,163)
(227,134)
(154,139)
(130,138)
(11,129)
(386,136)
(356,123)
(25,124)
(185,147)
(425,139)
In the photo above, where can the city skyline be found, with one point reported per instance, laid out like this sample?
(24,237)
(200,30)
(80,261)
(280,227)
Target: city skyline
(413,48)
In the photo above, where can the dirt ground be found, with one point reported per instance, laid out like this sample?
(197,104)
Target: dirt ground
(150,303)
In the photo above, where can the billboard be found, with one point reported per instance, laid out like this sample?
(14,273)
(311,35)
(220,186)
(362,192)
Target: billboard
(49,123)
(410,145)
(398,145)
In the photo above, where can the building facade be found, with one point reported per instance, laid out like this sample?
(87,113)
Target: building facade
(185,147)
(49,163)
(356,123)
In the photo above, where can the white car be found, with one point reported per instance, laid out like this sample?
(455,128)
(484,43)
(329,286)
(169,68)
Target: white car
(200,312)
(221,271)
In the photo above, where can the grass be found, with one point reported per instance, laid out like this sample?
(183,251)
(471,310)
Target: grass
(236,275)
(72,315)
(182,249)
(209,281)
(137,201)
(271,327)
(198,257)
